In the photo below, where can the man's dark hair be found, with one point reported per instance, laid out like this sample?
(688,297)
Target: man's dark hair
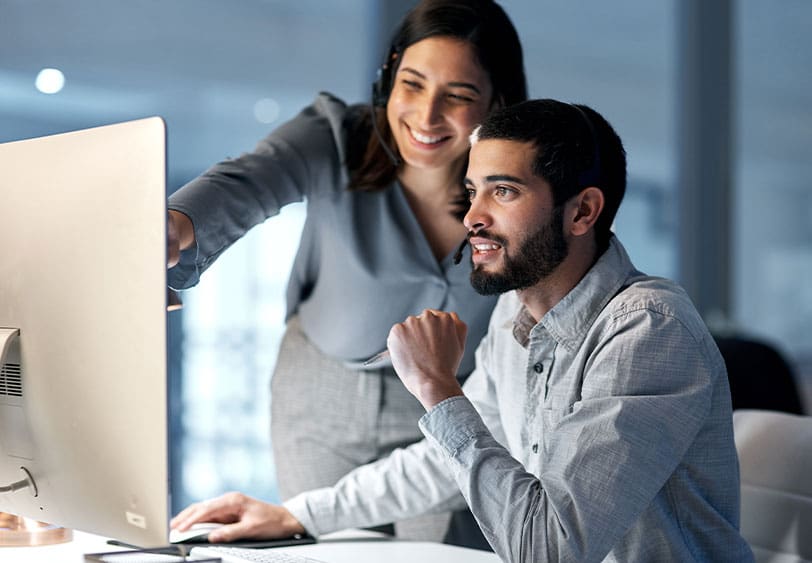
(575,148)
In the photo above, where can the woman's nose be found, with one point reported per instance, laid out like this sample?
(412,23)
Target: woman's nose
(431,111)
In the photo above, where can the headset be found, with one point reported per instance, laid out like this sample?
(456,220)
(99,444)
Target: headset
(382,86)
(381,89)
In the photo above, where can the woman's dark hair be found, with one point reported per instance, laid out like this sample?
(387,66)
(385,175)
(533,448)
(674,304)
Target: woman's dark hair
(481,23)
(575,148)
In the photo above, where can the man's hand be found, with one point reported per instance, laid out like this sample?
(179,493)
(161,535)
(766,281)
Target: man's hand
(246,518)
(426,351)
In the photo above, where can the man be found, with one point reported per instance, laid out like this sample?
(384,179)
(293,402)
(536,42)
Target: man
(597,423)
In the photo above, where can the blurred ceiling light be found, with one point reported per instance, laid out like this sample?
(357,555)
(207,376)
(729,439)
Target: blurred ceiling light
(266,110)
(50,80)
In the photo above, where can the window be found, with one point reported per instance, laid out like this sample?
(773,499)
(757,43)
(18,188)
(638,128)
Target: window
(772,193)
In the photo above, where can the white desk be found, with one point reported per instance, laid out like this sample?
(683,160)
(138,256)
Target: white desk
(335,548)
(390,551)
(70,552)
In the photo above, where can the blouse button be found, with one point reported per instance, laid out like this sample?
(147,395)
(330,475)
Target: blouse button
(535,448)
(538,368)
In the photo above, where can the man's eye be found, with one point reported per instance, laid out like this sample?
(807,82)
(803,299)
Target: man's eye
(503,191)
(460,98)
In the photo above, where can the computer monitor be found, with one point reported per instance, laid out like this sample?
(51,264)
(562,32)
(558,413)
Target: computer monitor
(83,331)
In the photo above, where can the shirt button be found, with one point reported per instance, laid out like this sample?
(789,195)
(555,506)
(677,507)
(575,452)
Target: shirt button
(535,448)
(538,368)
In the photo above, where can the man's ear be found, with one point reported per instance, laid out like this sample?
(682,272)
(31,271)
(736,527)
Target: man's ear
(587,207)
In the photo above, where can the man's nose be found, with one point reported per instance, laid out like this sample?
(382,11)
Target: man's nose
(477,217)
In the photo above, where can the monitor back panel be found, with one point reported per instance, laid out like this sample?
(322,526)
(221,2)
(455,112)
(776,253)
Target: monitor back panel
(83,277)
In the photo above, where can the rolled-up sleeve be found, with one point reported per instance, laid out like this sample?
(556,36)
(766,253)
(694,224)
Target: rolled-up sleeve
(409,482)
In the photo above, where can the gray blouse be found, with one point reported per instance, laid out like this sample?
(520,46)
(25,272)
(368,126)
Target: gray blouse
(363,262)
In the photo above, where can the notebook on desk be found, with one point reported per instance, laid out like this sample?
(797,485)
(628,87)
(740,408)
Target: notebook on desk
(254,544)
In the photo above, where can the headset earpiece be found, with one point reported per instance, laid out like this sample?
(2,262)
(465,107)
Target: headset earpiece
(382,86)
(380,95)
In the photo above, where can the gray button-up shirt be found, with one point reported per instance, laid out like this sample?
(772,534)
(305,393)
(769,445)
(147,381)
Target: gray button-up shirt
(602,432)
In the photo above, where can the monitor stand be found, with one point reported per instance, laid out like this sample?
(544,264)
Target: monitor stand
(16,531)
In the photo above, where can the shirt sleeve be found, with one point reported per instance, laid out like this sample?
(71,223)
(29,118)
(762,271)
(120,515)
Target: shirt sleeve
(302,158)
(409,482)
(647,388)
(480,389)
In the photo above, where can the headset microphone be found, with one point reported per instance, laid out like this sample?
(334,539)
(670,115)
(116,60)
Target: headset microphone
(461,248)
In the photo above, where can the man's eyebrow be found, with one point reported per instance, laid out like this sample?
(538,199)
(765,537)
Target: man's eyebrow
(466,85)
(503,178)
(494,178)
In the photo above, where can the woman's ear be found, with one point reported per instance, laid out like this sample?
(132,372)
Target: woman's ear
(588,205)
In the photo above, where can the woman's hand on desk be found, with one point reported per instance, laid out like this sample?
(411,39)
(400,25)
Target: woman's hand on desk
(245,518)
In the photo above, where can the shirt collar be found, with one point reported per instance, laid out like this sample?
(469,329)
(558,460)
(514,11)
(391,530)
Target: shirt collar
(570,319)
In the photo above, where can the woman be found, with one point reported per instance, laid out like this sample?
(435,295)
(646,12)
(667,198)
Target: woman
(384,195)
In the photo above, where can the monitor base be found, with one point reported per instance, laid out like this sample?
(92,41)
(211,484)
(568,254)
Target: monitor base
(18,531)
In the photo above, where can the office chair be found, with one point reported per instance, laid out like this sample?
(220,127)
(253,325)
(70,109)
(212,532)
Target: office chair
(775,457)
(760,378)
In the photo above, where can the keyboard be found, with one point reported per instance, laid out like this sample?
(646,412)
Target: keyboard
(247,555)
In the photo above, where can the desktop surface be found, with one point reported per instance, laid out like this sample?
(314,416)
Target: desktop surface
(392,551)
(343,547)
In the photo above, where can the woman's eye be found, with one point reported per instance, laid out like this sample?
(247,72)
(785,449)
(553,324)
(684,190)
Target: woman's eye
(471,193)
(412,84)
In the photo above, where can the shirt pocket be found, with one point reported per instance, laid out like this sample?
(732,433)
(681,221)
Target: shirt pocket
(551,422)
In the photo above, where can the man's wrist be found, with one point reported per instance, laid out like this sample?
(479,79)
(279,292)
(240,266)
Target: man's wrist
(291,524)
(432,393)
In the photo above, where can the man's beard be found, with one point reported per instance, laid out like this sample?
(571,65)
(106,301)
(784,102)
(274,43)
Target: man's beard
(537,257)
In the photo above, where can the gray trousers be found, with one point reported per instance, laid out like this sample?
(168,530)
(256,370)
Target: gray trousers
(327,419)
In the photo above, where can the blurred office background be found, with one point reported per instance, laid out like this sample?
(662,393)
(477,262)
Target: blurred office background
(712,99)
